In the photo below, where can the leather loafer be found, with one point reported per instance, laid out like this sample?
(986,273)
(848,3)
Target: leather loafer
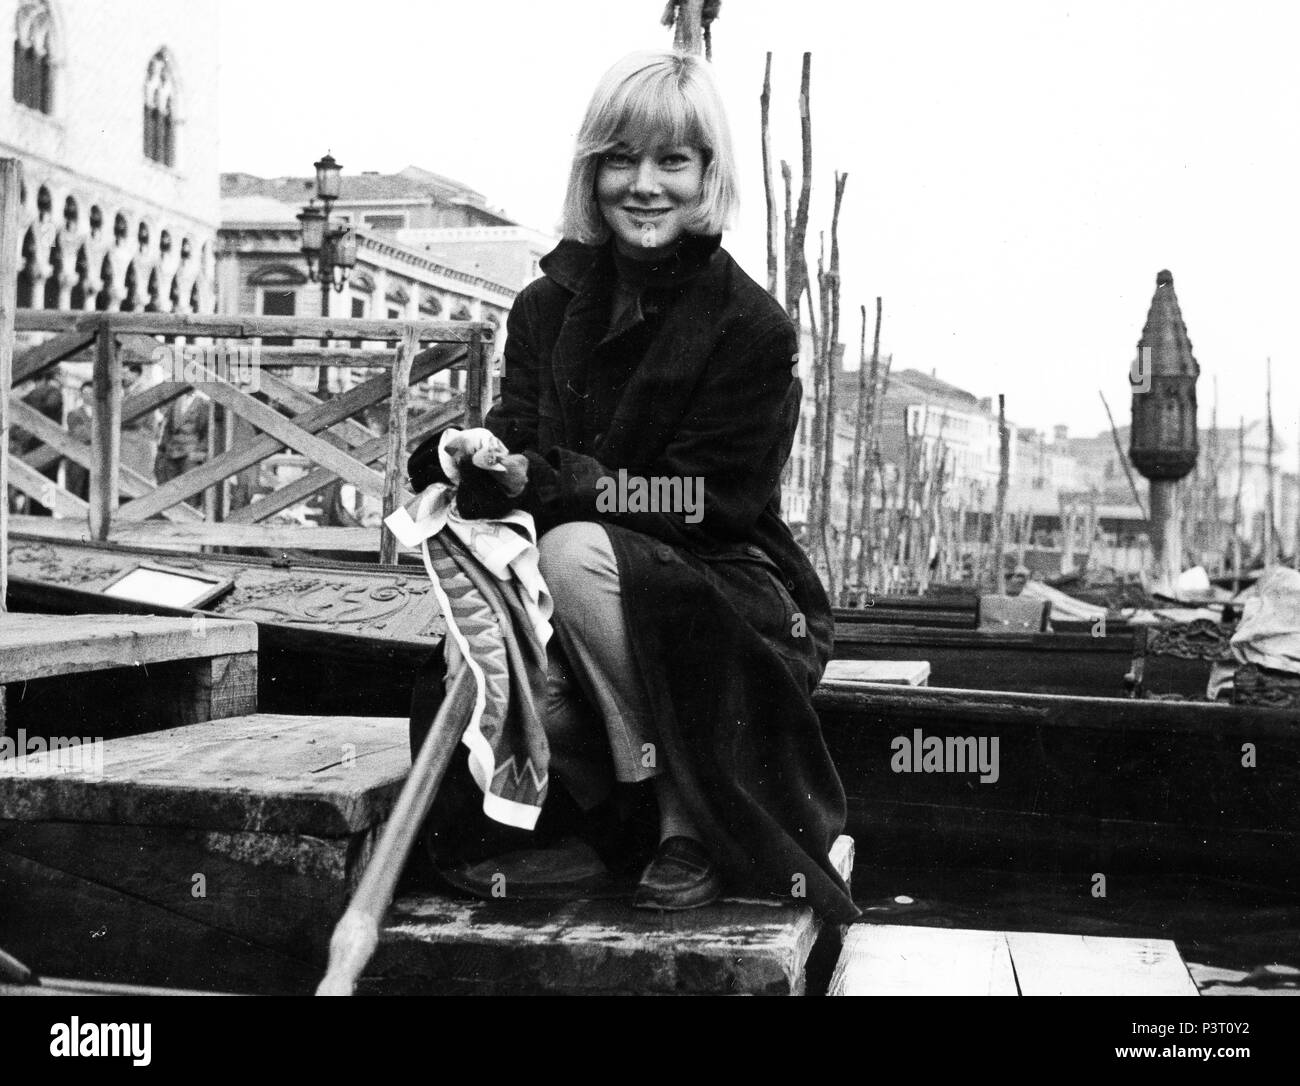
(682,875)
(567,871)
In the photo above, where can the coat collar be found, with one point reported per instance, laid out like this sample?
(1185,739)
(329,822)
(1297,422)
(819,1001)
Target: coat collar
(578,267)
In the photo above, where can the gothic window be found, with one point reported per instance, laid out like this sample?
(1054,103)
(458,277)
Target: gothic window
(33,64)
(106,279)
(78,300)
(25,277)
(159,110)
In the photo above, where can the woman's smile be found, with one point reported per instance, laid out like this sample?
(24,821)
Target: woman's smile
(648,195)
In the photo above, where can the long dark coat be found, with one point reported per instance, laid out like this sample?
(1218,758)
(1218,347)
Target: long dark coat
(728,622)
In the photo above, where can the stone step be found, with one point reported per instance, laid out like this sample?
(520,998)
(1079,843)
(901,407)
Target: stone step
(431,944)
(893,959)
(218,855)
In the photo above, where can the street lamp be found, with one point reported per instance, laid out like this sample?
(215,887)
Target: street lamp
(330,248)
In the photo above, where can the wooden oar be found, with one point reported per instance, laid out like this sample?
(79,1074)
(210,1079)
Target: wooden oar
(357,933)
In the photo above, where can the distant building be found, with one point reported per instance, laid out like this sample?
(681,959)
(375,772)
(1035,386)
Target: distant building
(114,119)
(261,270)
(421,210)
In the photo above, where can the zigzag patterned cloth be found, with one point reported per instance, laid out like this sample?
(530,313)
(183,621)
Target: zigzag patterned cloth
(497,610)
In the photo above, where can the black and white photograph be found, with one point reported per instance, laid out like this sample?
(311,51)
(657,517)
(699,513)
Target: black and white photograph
(650,498)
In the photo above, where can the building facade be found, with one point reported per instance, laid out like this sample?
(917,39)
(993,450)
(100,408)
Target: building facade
(260,269)
(112,110)
(419,210)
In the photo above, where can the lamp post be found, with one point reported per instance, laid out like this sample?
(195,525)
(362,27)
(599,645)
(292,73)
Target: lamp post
(330,248)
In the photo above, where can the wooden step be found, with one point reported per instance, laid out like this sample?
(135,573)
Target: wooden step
(219,855)
(892,959)
(432,944)
(42,646)
(104,675)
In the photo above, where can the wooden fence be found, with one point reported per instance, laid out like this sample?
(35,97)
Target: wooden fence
(125,505)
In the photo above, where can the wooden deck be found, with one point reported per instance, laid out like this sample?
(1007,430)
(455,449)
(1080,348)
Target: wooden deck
(894,960)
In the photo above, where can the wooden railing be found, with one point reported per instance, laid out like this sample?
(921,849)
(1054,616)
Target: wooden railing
(326,431)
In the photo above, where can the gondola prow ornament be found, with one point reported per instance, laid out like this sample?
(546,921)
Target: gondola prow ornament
(1163,445)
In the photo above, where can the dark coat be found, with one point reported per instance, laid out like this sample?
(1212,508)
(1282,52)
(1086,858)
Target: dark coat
(728,622)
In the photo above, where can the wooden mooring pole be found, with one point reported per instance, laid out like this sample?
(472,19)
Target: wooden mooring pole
(10,183)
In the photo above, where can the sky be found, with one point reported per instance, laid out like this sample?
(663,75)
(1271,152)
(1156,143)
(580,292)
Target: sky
(1018,172)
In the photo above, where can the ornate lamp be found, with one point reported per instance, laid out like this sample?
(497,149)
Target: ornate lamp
(1163,444)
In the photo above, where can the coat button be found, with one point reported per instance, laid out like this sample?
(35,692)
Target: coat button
(664,554)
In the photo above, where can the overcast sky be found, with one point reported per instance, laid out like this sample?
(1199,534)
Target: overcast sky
(1018,172)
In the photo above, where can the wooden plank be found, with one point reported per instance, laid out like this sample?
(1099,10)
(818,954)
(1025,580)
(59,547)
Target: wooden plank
(395,462)
(270,421)
(106,435)
(896,960)
(46,491)
(280,891)
(202,534)
(246,326)
(261,773)
(57,438)
(28,364)
(11,176)
(431,943)
(58,922)
(319,357)
(318,418)
(55,320)
(40,646)
(318,479)
(349,433)
(1048,964)
(898,672)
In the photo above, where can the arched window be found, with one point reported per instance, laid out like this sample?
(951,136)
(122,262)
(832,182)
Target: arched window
(159,110)
(33,63)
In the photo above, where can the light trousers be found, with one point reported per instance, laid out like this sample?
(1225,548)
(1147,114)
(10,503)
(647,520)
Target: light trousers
(597,717)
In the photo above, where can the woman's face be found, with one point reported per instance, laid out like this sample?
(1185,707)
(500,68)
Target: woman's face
(646,196)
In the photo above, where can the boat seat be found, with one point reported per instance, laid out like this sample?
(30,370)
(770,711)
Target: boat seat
(1012,613)
(894,672)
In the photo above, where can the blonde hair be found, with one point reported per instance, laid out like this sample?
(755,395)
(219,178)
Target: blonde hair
(646,96)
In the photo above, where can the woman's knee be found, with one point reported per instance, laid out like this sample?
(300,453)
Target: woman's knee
(576,557)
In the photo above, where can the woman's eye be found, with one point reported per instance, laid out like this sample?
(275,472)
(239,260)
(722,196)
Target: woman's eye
(619,161)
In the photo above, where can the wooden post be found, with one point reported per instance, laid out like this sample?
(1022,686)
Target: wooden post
(475,380)
(11,173)
(1166,534)
(1000,501)
(1270,506)
(106,434)
(395,464)
(765,102)
(689,28)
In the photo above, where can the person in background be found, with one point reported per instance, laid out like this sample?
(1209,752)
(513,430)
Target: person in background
(184,441)
(139,437)
(79,426)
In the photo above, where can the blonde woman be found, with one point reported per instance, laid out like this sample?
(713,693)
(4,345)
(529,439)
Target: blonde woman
(649,402)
